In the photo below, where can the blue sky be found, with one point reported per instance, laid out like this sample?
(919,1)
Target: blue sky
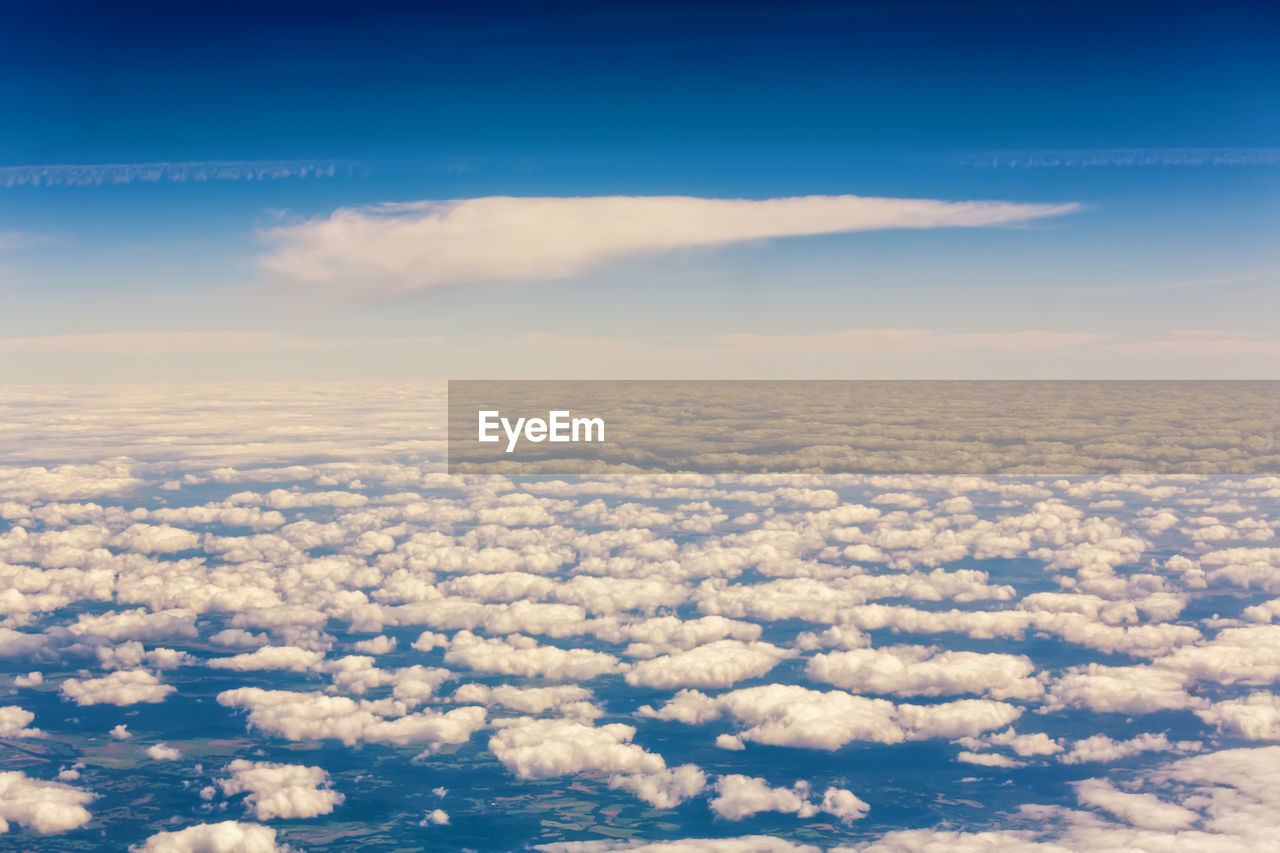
(1165,268)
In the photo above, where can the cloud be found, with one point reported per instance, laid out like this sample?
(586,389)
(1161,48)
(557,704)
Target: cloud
(1145,810)
(663,789)
(161,752)
(44,807)
(281,790)
(717,664)
(519,655)
(1120,689)
(420,245)
(795,716)
(921,671)
(126,687)
(193,171)
(988,759)
(270,657)
(740,796)
(314,716)
(541,749)
(436,817)
(227,837)
(14,721)
(1102,749)
(1256,717)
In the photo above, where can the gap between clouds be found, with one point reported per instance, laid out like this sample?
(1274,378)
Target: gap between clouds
(405,247)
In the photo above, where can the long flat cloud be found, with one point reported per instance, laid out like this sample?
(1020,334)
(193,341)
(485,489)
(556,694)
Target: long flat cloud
(419,245)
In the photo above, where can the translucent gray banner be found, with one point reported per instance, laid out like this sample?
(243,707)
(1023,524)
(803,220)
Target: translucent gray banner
(864,427)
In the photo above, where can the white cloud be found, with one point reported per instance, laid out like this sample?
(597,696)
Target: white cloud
(921,671)
(1102,749)
(281,790)
(988,759)
(1144,810)
(270,657)
(435,817)
(1121,689)
(717,664)
(791,715)
(739,796)
(14,721)
(421,245)
(663,789)
(227,837)
(379,645)
(125,687)
(307,716)
(540,749)
(1256,717)
(567,699)
(43,807)
(520,655)
(161,752)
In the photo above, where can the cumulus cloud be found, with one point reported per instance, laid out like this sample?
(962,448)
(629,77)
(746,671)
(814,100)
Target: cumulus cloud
(717,664)
(663,789)
(1256,717)
(124,687)
(307,716)
(921,671)
(739,796)
(43,807)
(228,836)
(1144,810)
(281,790)
(988,759)
(519,655)
(791,715)
(540,749)
(162,752)
(270,657)
(1121,689)
(14,721)
(420,245)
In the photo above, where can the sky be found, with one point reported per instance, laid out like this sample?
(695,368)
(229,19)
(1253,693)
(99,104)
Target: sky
(402,191)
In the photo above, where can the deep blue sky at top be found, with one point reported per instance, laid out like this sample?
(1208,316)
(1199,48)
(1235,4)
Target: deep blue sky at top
(129,82)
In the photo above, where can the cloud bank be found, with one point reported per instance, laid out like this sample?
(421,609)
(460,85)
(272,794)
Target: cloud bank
(420,245)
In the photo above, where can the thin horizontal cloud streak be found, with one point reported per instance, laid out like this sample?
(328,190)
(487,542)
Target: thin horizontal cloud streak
(406,247)
(1119,157)
(195,171)
(164,343)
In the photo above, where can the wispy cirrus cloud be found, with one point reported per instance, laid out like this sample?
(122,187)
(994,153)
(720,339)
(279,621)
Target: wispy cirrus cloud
(405,247)
(99,174)
(1058,158)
